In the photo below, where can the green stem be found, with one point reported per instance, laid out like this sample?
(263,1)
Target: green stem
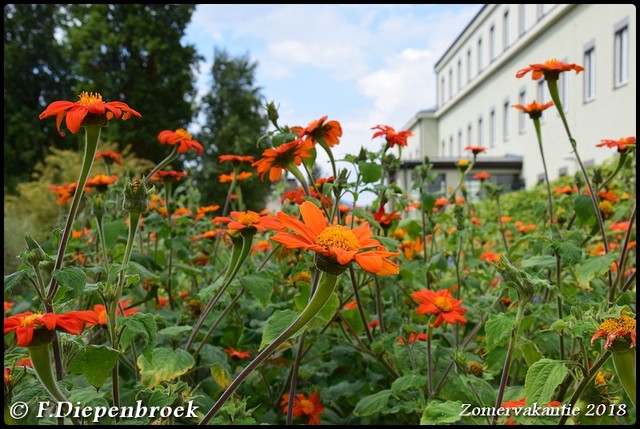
(298,175)
(356,293)
(167,196)
(325,289)
(41,362)
(92,136)
(536,124)
(103,244)
(623,257)
(429,361)
(625,365)
(227,201)
(173,155)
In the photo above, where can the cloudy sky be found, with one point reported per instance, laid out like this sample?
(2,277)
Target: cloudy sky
(362,65)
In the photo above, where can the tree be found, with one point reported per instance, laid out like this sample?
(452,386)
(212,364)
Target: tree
(35,73)
(235,118)
(132,53)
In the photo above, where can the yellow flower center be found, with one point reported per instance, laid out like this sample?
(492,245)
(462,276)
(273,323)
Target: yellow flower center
(183,134)
(249,218)
(463,163)
(612,325)
(338,236)
(307,406)
(89,98)
(30,320)
(605,206)
(443,303)
(302,277)
(600,380)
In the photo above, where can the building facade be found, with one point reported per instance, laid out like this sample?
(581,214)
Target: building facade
(477,88)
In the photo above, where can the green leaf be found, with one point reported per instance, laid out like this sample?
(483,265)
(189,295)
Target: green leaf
(593,267)
(221,376)
(140,324)
(584,209)
(428,201)
(277,323)
(113,231)
(13,280)
(539,261)
(530,352)
(71,281)
(498,329)
(260,285)
(413,228)
(439,261)
(95,363)
(441,412)
(570,252)
(542,379)
(408,381)
(371,172)
(372,404)
(166,365)
(175,331)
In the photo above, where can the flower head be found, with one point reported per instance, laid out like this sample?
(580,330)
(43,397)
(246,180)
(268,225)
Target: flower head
(166,176)
(110,157)
(550,69)
(330,131)
(482,175)
(202,211)
(622,329)
(385,219)
(236,159)
(490,257)
(393,138)
(249,219)
(100,182)
(30,326)
(89,110)
(274,160)
(335,243)
(237,353)
(303,406)
(181,138)
(476,149)
(64,192)
(534,109)
(624,145)
(413,337)
(441,303)
(101,311)
(228,178)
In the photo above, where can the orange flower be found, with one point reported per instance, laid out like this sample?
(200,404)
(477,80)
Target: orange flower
(109,157)
(441,303)
(209,235)
(228,178)
(608,196)
(181,138)
(617,328)
(620,226)
(298,196)
(25,361)
(316,130)
(64,192)
(625,144)
(350,305)
(236,353)
(181,211)
(274,160)
(336,243)
(236,159)
(527,228)
(8,305)
(303,406)
(490,257)
(441,202)
(89,103)
(550,69)
(483,175)
(168,176)
(202,211)
(385,219)
(476,149)
(565,190)
(261,246)
(413,337)
(249,219)
(100,182)
(506,219)
(28,324)
(534,109)
(393,138)
(101,311)
(411,248)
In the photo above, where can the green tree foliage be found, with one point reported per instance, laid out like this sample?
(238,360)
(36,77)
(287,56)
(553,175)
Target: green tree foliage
(235,118)
(35,73)
(133,53)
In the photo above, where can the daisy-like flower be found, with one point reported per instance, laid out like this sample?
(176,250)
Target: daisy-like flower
(534,109)
(236,159)
(483,175)
(350,305)
(261,246)
(100,182)
(110,157)
(336,244)
(413,337)
(385,219)
(249,219)
(625,144)
(303,406)
(441,303)
(490,257)
(550,69)
(565,190)
(228,178)
(621,330)
(476,149)
(330,131)
(101,311)
(202,211)
(89,110)
(64,192)
(274,160)
(168,176)
(237,353)
(389,133)
(180,138)
(30,326)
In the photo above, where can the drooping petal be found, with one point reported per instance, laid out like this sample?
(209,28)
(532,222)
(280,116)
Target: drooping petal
(313,217)
(24,335)
(75,117)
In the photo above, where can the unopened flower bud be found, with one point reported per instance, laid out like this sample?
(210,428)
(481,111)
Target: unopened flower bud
(35,254)
(136,196)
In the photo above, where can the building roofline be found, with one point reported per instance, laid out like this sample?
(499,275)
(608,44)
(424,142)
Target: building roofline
(510,162)
(421,114)
(460,35)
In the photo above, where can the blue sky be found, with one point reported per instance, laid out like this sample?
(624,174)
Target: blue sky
(362,65)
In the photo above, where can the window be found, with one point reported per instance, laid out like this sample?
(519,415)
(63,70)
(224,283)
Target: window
(492,43)
(589,72)
(540,11)
(522,117)
(621,54)
(480,131)
(563,88)
(540,98)
(505,30)
(442,91)
(469,65)
(492,128)
(459,74)
(442,153)
(506,129)
(469,137)
(522,22)
(479,55)
(450,83)
(563,171)
(451,146)
(460,142)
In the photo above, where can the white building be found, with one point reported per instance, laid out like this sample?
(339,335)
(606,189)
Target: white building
(477,89)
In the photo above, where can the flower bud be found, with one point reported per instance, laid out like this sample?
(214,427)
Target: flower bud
(136,196)
(35,254)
